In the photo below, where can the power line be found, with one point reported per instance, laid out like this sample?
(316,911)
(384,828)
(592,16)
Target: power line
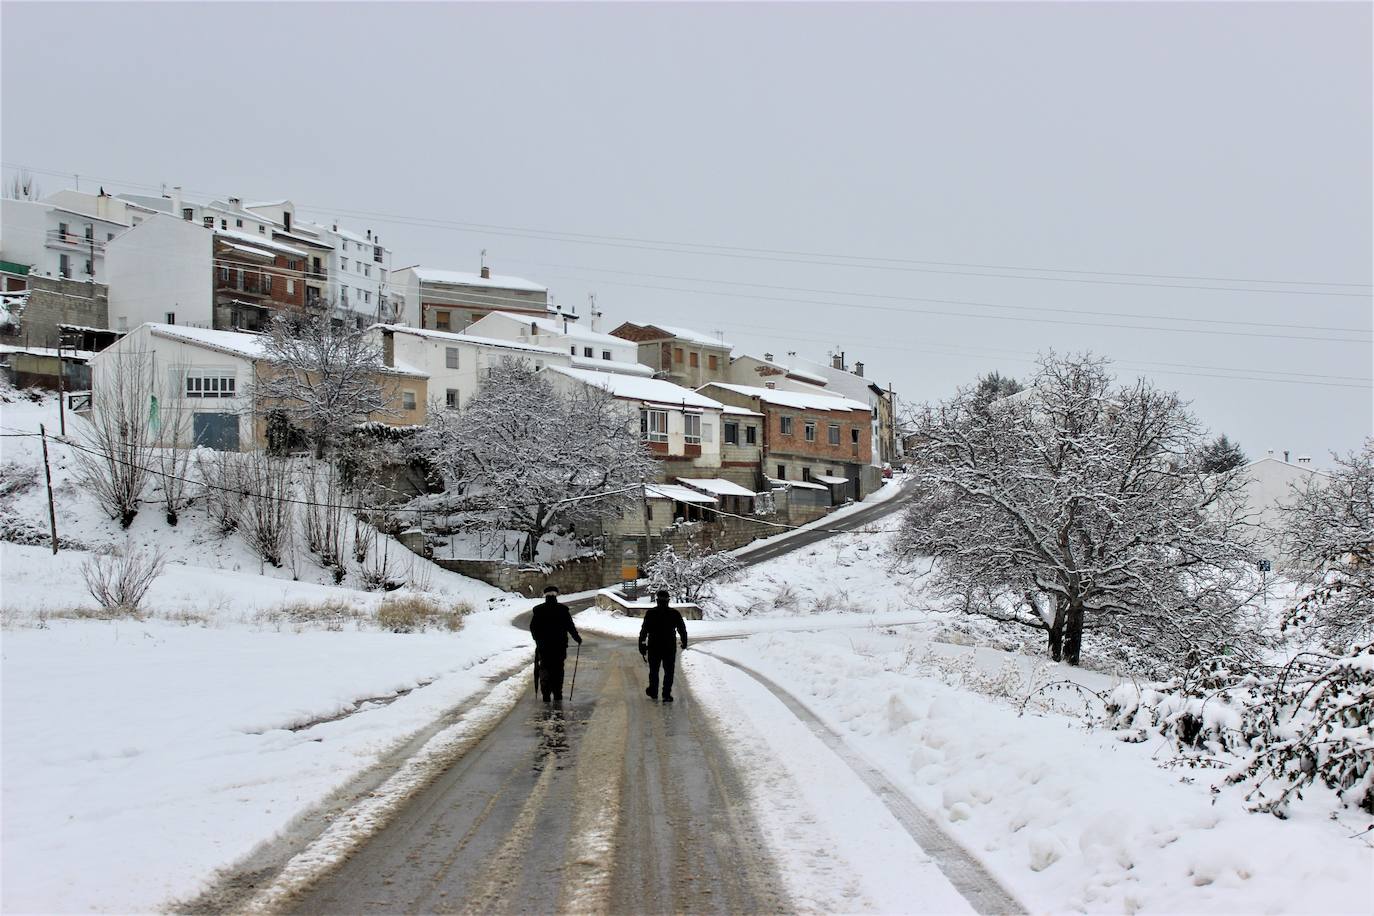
(810,258)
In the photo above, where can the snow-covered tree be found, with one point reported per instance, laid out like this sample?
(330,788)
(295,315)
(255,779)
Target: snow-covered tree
(320,376)
(1078,508)
(1328,536)
(689,573)
(1221,455)
(527,457)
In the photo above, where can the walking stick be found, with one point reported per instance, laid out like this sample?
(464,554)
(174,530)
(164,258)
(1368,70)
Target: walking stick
(576,658)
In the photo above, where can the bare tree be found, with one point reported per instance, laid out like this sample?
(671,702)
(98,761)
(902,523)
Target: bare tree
(524,456)
(268,517)
(118,443)
(1078,508)
(322,376)
(1328,536)
(23,187)
(325,515)
(221,475)
(171,426)
(118,580)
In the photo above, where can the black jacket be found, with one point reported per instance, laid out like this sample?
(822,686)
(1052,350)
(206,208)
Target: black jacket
(657,630)
(551,624)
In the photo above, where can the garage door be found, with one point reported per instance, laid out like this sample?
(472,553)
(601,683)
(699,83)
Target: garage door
(216,430)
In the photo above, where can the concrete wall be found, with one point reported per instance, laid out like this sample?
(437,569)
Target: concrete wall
(162,265)
(52,302)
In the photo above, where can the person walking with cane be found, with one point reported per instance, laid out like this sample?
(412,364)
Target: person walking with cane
(657,644)
(551,624)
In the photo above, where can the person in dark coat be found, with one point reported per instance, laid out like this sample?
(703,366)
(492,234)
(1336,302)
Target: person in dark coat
(551,624)
(658,645)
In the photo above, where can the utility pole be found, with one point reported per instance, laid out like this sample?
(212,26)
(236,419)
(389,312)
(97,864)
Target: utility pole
(47,475)
(61,389)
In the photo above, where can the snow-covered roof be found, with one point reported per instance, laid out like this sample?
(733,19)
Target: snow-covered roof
(634,388)
(716,485)
(610,365)
(791,371)
(709,340)
(572,332)
(79,356)
(799,484)
(681,494)
(826,478)
(255,252)
(248,346)
(303,239)
(461,278)
(740,412)
(798,400)
(260,241)
(467,339)
(265,203)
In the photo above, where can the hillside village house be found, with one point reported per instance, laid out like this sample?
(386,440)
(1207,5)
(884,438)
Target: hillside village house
(56,238)
(450,300)
(1269,486)
(816,439)
(456,364)
(588,348)
(206,377)
(680,355)
(765,372)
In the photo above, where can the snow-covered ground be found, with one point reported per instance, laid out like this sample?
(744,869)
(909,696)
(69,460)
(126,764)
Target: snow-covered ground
(1067,818)
(140,755)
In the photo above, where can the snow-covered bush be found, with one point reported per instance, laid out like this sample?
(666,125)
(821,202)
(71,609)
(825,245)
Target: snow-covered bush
(417,613)
(1278,730)
(118,580)
(688,574)
(324,518)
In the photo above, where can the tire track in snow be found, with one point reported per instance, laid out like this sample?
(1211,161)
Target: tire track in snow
(968,876)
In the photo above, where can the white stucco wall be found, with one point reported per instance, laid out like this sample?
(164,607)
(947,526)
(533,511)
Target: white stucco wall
(1268,489)
(162,265)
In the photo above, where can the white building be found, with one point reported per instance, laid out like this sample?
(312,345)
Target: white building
(589,349)
(56,240)
(456,363)
(1268,488)
(450,300)
(681,427)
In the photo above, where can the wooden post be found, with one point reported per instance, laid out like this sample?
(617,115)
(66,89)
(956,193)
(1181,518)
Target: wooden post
(47,474)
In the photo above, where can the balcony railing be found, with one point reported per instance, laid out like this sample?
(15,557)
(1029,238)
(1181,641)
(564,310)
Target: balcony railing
(57,236)
(317,273)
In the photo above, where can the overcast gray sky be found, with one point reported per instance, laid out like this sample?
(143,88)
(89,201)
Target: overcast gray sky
(885,142)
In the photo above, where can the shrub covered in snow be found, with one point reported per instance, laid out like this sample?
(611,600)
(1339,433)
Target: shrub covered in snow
(689,573)
(1280,731)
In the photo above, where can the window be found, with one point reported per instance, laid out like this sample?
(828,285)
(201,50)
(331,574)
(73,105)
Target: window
(210,383)
(238,224)
(677,354)
(782,472)
(806,474)
(853,435)
(712,362)
(694,359)
(90,233)
(441,321)
(90,270)
(653,425)
(572,350)
(367,297)
(267,284)
(171,317)
(587,352)
(286,220)
(224,275)
(367,270)
(209,222)
(785,425)
(344,243)
(751,435)
(451,357)
(186,214)
(407,400)
(62,231)
(109,237)
(223,224)
(343,263)
(451,399)
(290,287)
(809,431)
(262,230)
(692,428)
(605,354)
(731,433)
(64,265)
(361,324)
(834,434)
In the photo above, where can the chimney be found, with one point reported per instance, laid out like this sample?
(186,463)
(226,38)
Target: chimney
(837,361)
(486,272)
(1285,454)
(1304,459)
(176,201)
(768,357)
(369,235)
(388,348)
(859,369)
(235,201)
